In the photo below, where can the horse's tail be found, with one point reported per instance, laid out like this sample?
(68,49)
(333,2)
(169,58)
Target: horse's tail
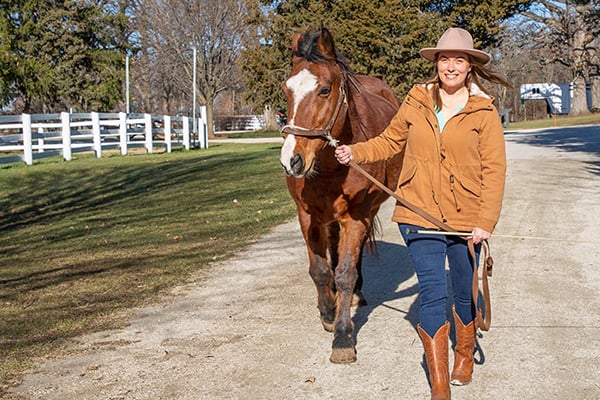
(374,230)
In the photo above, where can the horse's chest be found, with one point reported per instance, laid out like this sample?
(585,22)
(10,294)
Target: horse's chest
(319,198)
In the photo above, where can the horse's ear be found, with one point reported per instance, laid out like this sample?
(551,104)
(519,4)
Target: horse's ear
(295,41)
(326,45)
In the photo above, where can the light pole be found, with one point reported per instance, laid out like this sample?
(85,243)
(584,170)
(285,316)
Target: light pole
(127,83)
(194,121)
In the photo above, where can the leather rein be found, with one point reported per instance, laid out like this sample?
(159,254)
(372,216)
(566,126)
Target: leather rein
(325,133)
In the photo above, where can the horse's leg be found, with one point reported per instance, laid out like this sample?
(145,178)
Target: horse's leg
(359,298)
(334,240)
(319,268)
(346,276)
(333,234)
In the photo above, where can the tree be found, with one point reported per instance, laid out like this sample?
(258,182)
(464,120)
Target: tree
(61,54)
(568,32)
(516,58)
(380,37)
(171,29)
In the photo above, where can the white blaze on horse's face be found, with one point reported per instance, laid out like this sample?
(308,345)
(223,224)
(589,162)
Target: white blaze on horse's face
(300,85)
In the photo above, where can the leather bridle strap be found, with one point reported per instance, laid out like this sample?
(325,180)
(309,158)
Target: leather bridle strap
(483,324)
(320,132)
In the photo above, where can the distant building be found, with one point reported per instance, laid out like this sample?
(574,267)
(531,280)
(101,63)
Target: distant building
(557,95)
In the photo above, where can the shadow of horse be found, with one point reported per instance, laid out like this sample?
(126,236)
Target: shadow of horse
(385,273)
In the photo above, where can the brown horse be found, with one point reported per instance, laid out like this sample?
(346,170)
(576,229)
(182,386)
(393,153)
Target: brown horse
(328,104)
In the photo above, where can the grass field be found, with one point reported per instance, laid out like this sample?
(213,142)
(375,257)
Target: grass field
(592,119)
(84,240)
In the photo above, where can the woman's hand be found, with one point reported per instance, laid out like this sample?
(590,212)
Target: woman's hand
(343,154)
(480,235)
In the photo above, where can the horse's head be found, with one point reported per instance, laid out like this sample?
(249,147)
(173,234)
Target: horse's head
(315,96)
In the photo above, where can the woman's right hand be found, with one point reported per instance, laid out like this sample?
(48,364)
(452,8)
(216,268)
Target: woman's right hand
(343,154)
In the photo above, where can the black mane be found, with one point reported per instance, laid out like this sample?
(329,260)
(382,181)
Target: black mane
(309,50)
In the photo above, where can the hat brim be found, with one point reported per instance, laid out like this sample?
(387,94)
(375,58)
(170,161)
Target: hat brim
(429,53)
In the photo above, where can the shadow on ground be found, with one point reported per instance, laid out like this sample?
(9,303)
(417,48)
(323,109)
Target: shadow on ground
(583,139)
(385,274)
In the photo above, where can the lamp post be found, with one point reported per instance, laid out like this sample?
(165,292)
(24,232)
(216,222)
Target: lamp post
(194,119)
(127,83)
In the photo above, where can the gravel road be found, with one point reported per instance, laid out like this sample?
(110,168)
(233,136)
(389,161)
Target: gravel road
(251,330)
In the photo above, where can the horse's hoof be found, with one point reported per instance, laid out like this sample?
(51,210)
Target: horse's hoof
(358,299)
(343,356)
(328,326)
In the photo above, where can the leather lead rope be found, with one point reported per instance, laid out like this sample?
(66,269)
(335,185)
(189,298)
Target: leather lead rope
(481,322)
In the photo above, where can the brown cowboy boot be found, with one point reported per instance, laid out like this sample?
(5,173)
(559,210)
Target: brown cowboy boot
(463,351)
(436,355)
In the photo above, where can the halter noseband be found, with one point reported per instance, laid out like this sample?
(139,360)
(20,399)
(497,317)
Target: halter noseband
(322,132)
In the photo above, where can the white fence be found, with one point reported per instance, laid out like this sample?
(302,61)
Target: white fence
(27,137)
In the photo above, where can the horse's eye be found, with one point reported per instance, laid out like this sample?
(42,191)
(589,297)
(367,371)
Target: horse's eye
(325,91)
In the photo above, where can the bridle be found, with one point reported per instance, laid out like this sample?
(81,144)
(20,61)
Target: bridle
(321,132)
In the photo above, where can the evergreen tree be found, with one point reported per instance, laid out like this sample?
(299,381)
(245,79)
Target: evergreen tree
(58,54)
(380,37)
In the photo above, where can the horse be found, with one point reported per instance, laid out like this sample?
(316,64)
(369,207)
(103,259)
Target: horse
(328,104)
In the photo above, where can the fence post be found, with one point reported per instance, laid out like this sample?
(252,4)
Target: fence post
(27,139)
(123,133)
(185,127)
(167,132)
(148,131)
(65,121)
(96,134)
(202,129)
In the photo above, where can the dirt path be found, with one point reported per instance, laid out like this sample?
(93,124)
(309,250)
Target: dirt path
(250,330)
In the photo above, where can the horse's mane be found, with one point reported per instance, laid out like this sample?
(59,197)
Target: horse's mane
(372,103)
(308,49)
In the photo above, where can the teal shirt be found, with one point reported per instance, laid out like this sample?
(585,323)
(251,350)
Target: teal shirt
(441,122)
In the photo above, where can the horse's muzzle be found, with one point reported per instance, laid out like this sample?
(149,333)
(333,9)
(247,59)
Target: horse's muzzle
(296,166)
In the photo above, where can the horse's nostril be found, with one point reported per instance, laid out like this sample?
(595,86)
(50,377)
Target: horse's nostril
(297,163)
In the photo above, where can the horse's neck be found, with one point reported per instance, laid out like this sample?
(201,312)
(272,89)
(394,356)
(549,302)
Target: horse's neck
(371,106)
(328,164)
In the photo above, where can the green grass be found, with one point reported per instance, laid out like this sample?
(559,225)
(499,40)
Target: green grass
(84,240)
(249,134)
(559,121)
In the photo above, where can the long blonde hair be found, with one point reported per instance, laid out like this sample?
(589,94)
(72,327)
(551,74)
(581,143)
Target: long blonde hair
(478,71)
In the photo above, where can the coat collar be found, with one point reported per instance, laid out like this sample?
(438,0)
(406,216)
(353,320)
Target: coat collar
(474,90)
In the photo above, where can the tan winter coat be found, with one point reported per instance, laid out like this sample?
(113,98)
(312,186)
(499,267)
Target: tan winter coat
(457,175)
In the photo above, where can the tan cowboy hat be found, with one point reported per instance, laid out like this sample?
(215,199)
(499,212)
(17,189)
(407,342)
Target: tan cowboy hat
(455,39)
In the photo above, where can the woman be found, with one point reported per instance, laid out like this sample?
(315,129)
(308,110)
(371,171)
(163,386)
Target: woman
(454,169)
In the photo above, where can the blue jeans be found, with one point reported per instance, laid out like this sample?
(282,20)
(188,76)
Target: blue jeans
(428,253)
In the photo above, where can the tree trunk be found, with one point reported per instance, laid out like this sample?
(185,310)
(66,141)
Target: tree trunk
(579,68)
(210,127)
(595,87)
(579,101)
(270,120)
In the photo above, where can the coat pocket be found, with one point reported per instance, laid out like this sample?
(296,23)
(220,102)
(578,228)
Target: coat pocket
(409,169)
(470,185)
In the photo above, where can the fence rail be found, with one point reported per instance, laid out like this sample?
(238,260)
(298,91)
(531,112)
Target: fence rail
(27,137)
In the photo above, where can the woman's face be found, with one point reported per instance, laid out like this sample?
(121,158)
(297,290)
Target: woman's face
(453,68)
